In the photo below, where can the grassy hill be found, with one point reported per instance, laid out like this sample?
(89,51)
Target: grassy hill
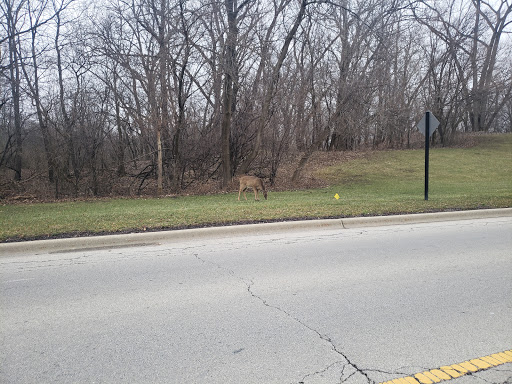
(383,182)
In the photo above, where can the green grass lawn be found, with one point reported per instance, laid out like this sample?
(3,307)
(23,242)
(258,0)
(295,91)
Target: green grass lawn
(385,182)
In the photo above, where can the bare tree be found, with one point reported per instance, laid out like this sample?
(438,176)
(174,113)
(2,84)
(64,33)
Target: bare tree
(229,87)
(478,46)
(68,107)
(153,16)
(32,79)
(270,92)
(13,12)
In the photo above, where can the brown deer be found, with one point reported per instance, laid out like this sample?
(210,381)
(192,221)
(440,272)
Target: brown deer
(253,182)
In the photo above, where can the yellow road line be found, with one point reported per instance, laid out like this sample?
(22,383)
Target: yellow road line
(449,372)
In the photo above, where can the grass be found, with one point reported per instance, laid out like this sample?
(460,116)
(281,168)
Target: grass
(385,182)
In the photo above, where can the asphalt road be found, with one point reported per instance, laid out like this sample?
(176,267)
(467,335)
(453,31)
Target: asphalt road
(310,305)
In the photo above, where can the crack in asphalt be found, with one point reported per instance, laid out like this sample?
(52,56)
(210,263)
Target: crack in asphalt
(324,337)
(323,371)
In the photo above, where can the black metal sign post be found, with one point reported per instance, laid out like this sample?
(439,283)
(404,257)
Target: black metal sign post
(427,126)
(427,143)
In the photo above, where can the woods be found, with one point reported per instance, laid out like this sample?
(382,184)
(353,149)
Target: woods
(154,96)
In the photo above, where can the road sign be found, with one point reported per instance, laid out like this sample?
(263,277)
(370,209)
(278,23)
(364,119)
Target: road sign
(434,123)
(427,126)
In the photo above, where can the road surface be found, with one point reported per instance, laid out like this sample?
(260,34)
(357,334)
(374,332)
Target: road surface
(327,305)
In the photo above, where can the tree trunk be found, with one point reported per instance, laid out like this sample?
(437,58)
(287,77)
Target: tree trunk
(121,170)
(15,91)
(68,122)
(228,97)
(164,94)
(159,161)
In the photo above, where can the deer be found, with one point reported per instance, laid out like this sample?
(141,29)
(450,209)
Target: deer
(253,182)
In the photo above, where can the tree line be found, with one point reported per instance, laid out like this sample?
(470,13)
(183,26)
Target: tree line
(184,91)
